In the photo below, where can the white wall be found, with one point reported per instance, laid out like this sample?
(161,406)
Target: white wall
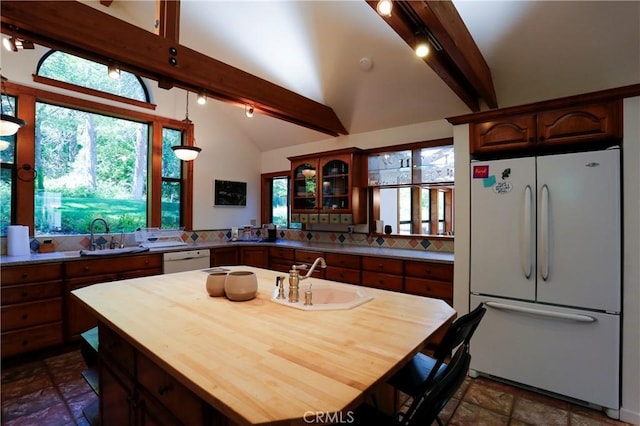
(276,160)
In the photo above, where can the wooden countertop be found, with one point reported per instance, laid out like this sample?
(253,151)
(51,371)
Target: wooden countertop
(259,362)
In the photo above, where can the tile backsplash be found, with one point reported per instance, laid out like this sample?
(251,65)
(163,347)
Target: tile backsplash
(81,242)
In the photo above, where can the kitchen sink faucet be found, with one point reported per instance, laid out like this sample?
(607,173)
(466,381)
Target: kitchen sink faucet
(295,278)
(93,245)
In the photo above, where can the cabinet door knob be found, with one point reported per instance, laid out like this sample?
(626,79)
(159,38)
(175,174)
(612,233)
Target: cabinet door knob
(25,275)
(86,268)
(25,316)
(541,138)
(164,389)
(24,294)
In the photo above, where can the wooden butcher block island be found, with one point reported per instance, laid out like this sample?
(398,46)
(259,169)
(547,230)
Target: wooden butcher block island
(170,353)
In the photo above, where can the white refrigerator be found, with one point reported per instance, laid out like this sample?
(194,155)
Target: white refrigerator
(546,261)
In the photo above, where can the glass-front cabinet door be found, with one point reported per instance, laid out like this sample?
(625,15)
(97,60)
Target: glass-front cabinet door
(335,185)
(304,186)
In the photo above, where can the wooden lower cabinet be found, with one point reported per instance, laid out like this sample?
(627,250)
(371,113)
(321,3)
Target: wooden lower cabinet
(344,268)
(382,273)
(307,257)
(31,311)
(281,259)
(429,279)
(134,390)
(257,257)
(224,256)
(87,272)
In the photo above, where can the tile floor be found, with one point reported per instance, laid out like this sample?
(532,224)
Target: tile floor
(52,392)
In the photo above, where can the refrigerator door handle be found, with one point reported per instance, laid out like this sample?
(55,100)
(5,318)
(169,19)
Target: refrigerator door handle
(526,252)
(541,313)
(544,233)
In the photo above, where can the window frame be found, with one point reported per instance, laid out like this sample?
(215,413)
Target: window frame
(26,98)
(266,195)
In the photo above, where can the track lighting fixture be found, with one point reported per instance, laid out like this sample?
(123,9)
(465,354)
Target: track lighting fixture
(422,46)
(202,98)
(13,44)
(186,152)
(384,7)
(425,41)
(9,124)
(113,71)
(248,110)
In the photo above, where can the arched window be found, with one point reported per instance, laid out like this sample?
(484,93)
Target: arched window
(71,69)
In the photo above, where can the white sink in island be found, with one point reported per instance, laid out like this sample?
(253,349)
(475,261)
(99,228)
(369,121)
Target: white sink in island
(253,362)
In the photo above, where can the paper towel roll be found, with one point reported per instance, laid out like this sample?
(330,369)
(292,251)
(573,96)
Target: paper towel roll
(379,226)
(18,240)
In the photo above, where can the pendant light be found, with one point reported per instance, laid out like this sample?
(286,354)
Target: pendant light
(9,124)
(186,152)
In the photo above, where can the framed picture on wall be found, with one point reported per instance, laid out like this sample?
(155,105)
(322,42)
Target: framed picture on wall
(229,193)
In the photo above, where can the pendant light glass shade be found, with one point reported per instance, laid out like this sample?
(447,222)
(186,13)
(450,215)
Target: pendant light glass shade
(9,125)
(185,152)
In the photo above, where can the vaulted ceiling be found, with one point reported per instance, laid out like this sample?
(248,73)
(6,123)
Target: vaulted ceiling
(310,54)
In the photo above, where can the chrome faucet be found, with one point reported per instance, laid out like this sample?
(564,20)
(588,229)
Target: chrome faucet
(295,278)
(93,245)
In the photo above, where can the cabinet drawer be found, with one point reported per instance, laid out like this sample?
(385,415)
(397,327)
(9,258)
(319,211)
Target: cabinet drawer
(84,268)
(307,256)
(433,271)
(383,281)
(281,253)
(170,393)
(30,339)
(30,274)
(280,266)
(29,292)
(343,260)
(379,264)
(116,349)
(343,275)
(31,313)
(429,288)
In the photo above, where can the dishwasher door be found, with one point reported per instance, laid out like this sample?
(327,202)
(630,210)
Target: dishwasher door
(180,261)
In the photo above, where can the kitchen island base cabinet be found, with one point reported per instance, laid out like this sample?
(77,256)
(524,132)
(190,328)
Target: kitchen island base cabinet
(135,391)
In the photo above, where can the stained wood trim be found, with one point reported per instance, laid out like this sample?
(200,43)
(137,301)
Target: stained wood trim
(168,19)
(98,93)
(92,34)
(569,101)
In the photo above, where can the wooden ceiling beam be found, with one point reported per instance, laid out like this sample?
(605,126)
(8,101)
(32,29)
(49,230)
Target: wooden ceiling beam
(168,19)
(85,31)
(460,63)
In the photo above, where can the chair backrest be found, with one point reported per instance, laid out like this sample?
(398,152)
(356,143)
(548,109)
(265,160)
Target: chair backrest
(433,401)
(459,332)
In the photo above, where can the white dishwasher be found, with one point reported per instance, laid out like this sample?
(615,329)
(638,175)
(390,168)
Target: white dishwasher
(190,260)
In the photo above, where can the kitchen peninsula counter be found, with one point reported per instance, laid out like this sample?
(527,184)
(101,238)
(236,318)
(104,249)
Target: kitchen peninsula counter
(258,362)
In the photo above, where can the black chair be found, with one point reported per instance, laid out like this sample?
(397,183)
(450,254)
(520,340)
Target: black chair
(420,372)
(425,407)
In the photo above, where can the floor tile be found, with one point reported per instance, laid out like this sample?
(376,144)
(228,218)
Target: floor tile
(539,413)
(470,414)
(494,399)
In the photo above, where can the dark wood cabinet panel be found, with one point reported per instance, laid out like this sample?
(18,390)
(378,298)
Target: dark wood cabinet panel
(31,316)
(343,260)
(430,288)
(343,275)
(224,256)
(380,264)
(26,340)
(430,270)
(381,280)
(254,256)
(577,126)
(281,253)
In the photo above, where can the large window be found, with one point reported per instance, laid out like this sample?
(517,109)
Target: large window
(81,159)
(87,166)
(276,200)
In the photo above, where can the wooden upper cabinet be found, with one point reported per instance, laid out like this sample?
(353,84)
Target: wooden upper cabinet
(518,132)
(546,130)
(327,187)
(586,124)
